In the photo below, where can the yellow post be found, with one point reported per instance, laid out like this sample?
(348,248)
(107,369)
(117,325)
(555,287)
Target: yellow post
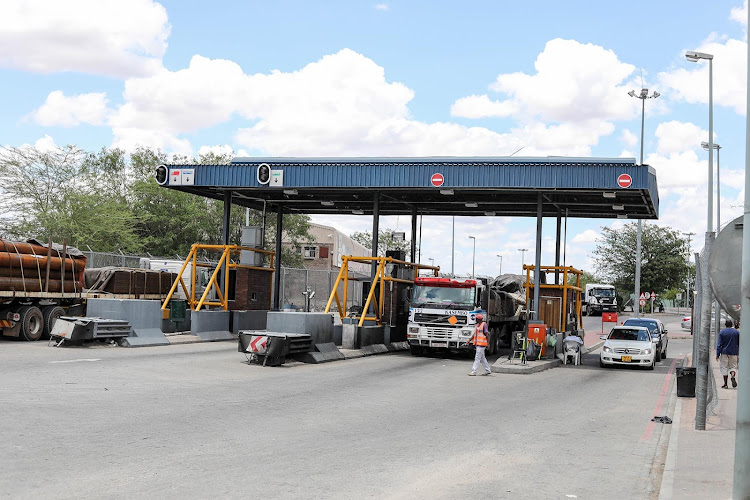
(212,282)
(177,281)
(335,292)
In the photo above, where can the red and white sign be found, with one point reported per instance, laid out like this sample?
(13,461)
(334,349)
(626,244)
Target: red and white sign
(642,302)
(258,344)
(437,180)
(624,180)
(643,296)
(653,295)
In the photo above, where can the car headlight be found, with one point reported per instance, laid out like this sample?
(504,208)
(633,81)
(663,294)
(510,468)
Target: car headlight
(647,351)
(607,349)
(414,329)
(466,333)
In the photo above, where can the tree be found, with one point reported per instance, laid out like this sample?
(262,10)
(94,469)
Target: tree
(664,253)
(110,201)
(67,194)
(385,241)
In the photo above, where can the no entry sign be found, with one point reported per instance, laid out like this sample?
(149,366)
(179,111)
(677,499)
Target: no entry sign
(624,180)
(437,180)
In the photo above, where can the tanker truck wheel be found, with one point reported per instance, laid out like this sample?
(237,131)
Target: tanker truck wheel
(32,323)
(49,316)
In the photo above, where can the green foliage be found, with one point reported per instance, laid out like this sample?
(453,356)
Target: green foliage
(109,201)
(385,241)
(664,257)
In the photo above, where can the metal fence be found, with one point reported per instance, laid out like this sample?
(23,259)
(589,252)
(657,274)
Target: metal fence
(294,281)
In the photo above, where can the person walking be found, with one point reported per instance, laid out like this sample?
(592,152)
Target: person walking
(479,339)
(727,351)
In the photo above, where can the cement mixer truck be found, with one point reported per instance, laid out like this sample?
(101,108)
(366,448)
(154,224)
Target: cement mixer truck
(442,314)
(38,284)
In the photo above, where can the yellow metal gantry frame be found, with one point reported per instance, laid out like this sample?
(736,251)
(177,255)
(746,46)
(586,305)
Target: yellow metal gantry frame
(564,287)
(225,262)
(380,279)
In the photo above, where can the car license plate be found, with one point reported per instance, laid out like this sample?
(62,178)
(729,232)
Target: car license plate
(439,344)
(626,359)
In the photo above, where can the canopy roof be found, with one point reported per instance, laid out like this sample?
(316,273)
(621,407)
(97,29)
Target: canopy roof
(468,186)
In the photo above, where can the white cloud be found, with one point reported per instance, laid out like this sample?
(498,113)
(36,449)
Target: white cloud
(677,137)
(589,236)
(381,6)
(729,68)
(739,14)
(63,111)
(103,37)
(629,138)
(574,82)
(218,150)
(45,143)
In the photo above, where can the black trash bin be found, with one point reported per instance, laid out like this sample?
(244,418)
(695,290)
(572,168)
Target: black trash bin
(685,382)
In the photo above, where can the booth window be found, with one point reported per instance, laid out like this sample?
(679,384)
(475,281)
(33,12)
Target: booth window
(309,252)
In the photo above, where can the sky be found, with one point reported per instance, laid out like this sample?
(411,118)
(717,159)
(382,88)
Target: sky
(395,78)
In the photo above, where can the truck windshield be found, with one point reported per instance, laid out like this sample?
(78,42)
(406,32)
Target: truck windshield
(443,295)
(604,292)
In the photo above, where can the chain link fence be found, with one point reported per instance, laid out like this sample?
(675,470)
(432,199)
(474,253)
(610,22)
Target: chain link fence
(295,282)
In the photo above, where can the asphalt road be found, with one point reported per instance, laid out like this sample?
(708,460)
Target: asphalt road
(196,421)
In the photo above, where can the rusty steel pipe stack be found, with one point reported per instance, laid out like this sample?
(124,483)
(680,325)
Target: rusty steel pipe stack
(27,267)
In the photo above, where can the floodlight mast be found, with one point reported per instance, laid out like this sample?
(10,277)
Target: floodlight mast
(642,96)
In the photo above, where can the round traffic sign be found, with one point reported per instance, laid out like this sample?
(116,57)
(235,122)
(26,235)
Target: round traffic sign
(642,302)
(437,180)
(624,180)
(653,295)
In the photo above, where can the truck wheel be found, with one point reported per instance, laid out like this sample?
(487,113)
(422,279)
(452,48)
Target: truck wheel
(32,323)
(49,316)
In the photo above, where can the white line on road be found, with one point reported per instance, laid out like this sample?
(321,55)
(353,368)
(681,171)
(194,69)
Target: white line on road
(75,360)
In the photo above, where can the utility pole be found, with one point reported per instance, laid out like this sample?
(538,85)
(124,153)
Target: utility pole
(687,280)
(523,254)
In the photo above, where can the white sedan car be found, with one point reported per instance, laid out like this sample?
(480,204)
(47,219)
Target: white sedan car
(628,345)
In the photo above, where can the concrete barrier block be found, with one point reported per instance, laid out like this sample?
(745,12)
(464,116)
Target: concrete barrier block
(318,325)
(371,349)
(349,336)
(139,313)
(144,337)
(209,321)
(248,320)
(369,335)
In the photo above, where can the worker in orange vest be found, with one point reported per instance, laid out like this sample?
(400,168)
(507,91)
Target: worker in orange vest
(479,339)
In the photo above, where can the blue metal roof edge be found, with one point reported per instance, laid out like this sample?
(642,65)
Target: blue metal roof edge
(434,159)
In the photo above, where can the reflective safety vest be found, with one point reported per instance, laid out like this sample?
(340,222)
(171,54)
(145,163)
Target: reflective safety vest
(479,337)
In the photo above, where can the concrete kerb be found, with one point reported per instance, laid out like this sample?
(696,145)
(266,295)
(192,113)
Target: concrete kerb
(504,366)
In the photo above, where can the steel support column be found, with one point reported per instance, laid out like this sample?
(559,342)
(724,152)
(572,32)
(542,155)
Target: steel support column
(413,235)
(557,245)
(225,231)
(277,260)
(538,256)
(375,232)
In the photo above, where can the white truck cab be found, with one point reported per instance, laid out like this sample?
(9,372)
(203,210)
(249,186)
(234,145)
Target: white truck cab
(599,298)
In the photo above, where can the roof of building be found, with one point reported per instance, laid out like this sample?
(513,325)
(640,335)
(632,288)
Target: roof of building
(469,186)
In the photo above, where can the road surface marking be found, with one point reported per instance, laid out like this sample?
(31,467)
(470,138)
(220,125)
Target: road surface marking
(75,360)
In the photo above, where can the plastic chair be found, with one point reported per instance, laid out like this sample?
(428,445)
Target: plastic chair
(520,348)
(572,349)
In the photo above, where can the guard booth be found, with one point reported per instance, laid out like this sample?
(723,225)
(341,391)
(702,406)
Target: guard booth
(559,302)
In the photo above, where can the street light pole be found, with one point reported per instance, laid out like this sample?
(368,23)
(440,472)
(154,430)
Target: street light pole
(642,96)
(523,254)
(501,264)
(701,386)
(687,280)
(717,147)
(473,256)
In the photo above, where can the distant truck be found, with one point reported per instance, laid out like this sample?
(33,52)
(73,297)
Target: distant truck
(599,298)
(442,315)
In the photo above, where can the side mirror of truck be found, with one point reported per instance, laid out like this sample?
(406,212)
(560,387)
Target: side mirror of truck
(602,337)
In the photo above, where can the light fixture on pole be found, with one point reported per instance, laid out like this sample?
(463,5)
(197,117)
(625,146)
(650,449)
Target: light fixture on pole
(704,333)
(642,96)
(432,261)
(501,264)
(473,256)
(523,254)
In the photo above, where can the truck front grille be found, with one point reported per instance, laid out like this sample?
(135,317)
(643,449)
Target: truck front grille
(437,319)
